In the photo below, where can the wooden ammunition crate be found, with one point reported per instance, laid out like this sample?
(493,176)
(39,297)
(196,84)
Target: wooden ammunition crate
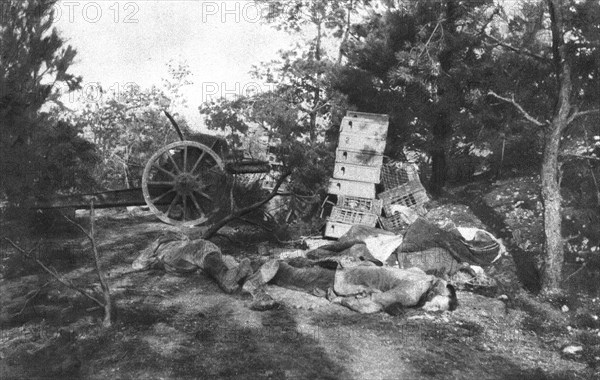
(365,127)
(336,230)
(359,173)
(357,203)
(358,158)
(350,216)
(351,188)
(393,223)
(412,195)
(378,117)
(361,143)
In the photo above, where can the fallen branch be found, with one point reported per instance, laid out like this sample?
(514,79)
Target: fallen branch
(60,279)
(241,212)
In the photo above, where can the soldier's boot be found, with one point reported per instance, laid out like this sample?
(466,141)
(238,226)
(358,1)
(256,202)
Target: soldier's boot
(263,275)
(228,279)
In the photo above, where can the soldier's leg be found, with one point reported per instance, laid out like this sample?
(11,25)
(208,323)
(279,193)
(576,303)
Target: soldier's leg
(263,275)
(363,305)
(309,279)
(222,270)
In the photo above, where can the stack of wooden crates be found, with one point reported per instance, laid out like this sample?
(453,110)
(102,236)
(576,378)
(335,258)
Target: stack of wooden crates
(402,187)
(358,163)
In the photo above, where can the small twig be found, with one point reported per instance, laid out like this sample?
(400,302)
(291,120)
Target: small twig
(78,226)
(30,298)
(577,271)
(65,282)
(519,107)
(581,156)
(516,50)
(429,40)
(576,113)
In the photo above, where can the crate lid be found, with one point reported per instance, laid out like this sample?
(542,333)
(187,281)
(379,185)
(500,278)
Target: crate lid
(371,116)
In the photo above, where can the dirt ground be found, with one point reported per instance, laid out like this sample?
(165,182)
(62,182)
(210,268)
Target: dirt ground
(185,327)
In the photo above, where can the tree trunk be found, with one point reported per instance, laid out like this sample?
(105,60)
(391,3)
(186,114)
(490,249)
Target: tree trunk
(109,311)
(346,34)
(441,132)
(317,90)
(442,124)
(551,198)
(438,169)
(553,243)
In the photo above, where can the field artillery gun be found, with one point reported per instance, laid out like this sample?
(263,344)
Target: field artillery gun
(183,183)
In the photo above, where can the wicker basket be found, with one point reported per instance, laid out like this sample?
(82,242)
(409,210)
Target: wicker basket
(350,216)
(371,205)
(411,195)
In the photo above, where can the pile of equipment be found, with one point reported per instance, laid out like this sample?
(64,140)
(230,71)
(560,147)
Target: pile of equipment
(364,185)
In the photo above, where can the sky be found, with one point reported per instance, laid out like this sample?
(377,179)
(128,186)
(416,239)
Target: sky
(121,42)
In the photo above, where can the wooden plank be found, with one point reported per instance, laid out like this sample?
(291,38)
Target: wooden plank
(361,143)
(358,158)
(358,173)
(352,188)
(105,199)
(364,127)
(379,117)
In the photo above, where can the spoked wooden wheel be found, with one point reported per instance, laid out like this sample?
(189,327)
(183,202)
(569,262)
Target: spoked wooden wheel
(182,183)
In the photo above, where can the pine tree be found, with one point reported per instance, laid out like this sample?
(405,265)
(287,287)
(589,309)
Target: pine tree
(33,71)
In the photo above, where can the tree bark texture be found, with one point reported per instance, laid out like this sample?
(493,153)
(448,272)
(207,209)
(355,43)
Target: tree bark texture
(551,198)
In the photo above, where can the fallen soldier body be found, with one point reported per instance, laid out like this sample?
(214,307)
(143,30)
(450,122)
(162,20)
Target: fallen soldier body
(445,252)
(365,287)
(354,280)
(176,253)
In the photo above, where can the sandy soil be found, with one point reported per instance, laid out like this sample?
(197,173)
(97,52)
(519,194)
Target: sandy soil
(185,327)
